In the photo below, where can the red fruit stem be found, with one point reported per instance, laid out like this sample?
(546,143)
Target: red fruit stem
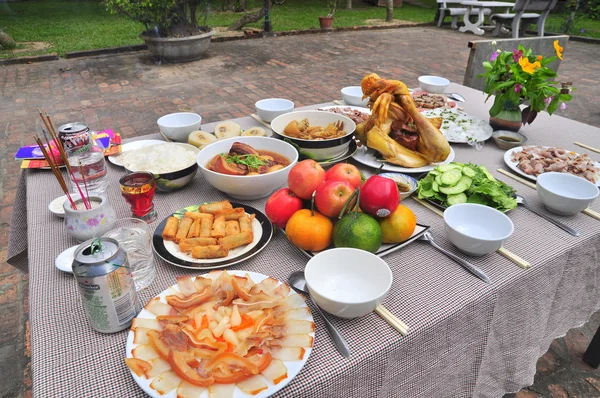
(312,204)
(356,194)
(379,170)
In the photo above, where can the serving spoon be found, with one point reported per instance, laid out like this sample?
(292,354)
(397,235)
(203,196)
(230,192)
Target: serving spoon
(521,201)
(456,97)
(298,282)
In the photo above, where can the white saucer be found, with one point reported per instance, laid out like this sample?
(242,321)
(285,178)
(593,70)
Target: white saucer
(56,206)
(64,261)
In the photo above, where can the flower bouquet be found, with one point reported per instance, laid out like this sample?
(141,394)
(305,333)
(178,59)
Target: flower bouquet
(519,76)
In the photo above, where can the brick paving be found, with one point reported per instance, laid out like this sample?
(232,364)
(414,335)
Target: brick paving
(129,92)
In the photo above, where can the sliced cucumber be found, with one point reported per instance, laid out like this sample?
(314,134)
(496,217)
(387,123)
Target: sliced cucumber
(469,172)
(451,177)
(456,199)
(434,172)
(486,172)
(438,179)
(447,167)
(435,186)
(463,185)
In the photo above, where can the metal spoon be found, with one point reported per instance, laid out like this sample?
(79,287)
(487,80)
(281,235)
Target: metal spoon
(298,282)
(470,267)
(456,97)
(521,201)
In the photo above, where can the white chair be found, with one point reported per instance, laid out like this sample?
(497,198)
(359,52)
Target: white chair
(446,9)
(521,14)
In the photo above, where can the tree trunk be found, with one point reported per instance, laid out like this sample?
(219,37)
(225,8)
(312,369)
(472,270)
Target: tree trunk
(241,6)
(389,15)
(251,17)
(6,41)
(348,4)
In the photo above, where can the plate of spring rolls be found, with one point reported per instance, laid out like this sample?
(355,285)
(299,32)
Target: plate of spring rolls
(212,235)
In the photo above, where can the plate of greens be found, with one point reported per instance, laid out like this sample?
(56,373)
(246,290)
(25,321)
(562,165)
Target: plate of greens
(455,183)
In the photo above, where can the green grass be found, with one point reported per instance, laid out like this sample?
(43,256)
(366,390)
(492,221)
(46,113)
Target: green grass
(75,25)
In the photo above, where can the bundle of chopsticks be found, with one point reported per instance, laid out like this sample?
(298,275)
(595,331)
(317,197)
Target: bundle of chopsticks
(54,161)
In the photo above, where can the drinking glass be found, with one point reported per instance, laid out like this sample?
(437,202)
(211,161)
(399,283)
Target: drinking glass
(134,237)
(88,169)
(138,190)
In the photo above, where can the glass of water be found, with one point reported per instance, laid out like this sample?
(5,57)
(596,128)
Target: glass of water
(134,237)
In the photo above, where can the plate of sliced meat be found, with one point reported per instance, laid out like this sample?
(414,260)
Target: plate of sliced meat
(356,113)
(531,161)
(424,100)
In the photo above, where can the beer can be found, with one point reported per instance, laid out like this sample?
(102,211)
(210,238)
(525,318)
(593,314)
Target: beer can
(106,285)
(74,135)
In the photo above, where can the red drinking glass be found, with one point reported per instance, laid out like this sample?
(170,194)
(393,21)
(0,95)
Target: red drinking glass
(138,190)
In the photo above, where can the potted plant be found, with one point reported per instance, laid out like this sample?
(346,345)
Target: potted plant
(172,30)
(327,21)
(517,77)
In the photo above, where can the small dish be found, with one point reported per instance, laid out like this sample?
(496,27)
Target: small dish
(352,95)
(506,139)
(64,261)
(268,109)
(406,184)
(56,206)
(433,84)
(565,194)
(178,126)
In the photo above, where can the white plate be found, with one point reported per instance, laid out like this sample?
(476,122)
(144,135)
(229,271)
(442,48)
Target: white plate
(460,128)
(56,206)
(367,157)
(262,229)
(355,108)
(294,367)
(117,160)
(64,261)
(513,165)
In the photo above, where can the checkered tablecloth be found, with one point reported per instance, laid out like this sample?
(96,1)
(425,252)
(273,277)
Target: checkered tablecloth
(467,338)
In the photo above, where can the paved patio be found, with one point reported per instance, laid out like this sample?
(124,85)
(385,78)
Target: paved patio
(129,92)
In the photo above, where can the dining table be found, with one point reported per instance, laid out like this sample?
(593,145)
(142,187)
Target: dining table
(477,27)
(467,338)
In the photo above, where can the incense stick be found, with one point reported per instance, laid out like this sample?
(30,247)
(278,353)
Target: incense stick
(56,172)
(84,182)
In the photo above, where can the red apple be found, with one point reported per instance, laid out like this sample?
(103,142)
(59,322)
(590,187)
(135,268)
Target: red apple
(379,196)
(344,172)
(281,205)
(305,177)
(331,196)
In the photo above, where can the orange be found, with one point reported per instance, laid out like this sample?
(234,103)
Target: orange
(398,226)
(309,232)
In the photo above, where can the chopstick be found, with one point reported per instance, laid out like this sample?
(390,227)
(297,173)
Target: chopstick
(521,262)
(589,148)
(392,320)
(258,119)
(588,211)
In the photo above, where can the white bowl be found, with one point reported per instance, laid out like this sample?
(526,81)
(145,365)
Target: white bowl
(178,126)
(268,109)
(348,282)
(433,84)
(475,229)
(352,95)
(247,187)
(317,149)
(565,194)
(405,180)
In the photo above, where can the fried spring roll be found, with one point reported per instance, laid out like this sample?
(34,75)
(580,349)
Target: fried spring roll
(246,222)
(232,227)
(170,229)
(212,251)
(184,228)
(215,207)
(206,226)
(194,229)
(186,245)
(218,227)
(194,215)
(237,240)
(231,214)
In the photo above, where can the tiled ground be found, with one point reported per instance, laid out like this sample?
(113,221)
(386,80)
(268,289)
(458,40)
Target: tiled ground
(129,92)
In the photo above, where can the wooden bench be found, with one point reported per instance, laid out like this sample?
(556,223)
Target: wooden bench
(452,8)
(523,16)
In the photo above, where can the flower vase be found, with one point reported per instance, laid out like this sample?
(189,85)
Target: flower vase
(83,224)
(509,118)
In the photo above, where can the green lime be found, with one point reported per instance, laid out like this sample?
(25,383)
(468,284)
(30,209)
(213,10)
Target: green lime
(358,230)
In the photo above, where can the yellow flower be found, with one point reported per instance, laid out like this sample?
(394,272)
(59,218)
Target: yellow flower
(559,50)
(528,66)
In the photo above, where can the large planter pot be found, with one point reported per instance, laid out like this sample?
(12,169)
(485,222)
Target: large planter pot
(178,49)
(326,22)
(509,118)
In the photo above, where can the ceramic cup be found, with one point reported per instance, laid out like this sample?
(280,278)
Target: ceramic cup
(85,224)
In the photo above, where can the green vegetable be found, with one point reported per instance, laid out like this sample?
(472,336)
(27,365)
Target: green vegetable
(474,182)
(252,161)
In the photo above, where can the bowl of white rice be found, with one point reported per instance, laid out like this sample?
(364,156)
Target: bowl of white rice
(173,164)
